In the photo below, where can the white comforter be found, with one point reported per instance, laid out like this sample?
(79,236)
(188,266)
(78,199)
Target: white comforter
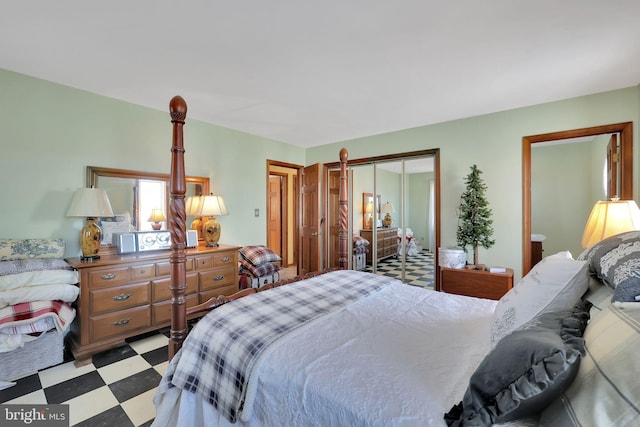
(401,357)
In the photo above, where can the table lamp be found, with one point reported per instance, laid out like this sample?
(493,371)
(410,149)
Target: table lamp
(608,218)
(194,208)
(369,210)
(212,206)
(387,209)
(156,218)
(91,203)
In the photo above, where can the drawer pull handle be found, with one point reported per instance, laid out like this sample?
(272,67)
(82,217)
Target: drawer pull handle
(122,297)
(109,276)
(218,278)
(122,322)
(143,271)
(225,259)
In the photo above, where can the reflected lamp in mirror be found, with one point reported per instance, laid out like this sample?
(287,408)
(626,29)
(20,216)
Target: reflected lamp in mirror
(609,218)
(387,209)
(369,211)
(91,203)
(156,218)
(193,208)
(212,206)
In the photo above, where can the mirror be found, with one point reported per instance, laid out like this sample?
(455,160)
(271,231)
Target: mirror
(623,174)
(367,210)
(134,195)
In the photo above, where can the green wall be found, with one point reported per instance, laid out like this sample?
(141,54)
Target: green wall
(494,143)
(50,133)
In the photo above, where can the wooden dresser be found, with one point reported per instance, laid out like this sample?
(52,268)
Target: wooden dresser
(387,242)
(126,295)
(476,283)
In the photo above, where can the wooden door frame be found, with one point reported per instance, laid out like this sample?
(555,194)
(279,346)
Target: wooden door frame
(625,130)
(296,208)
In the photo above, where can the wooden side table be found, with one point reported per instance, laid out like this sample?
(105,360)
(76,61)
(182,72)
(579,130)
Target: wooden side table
(476,283)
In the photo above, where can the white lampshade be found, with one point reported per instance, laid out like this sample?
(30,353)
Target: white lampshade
(90,202)
(610,218)
(156,216)
(387,208)
(194,205)
(213,206)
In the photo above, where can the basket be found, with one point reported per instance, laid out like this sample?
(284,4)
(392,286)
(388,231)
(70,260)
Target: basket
(452,258)
(46,351)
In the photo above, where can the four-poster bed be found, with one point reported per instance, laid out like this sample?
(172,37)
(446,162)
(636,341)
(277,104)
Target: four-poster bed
(352,348)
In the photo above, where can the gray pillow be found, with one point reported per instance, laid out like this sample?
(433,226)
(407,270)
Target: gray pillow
(526,370)
(616,260)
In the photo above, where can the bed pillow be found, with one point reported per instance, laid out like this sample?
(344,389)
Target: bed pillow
(605,391)
(262,270)
(616,261)
(555,283)
(526,371)
(259,255)
(359,241)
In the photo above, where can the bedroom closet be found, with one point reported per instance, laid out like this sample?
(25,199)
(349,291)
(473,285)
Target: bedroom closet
(400,223)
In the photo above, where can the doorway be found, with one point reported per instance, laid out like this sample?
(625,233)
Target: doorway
(282,208)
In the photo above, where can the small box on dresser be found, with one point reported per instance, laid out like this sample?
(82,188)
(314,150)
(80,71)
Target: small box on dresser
(476,283)
(126,295)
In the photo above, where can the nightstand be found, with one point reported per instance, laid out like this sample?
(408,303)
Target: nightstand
(476,283)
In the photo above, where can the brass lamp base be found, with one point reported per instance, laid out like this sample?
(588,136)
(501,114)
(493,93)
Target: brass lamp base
(387,220)
(211,232)
(196,224)
(90,240)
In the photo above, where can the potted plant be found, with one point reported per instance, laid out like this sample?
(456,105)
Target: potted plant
(474,216)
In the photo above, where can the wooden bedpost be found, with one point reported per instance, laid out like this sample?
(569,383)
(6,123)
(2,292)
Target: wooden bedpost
(344,211)
(177,228)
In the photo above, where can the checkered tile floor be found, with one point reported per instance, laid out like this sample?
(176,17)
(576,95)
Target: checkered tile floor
(117,389)
(418,269)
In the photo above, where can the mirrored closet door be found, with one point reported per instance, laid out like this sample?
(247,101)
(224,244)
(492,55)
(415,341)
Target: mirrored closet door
(394,216)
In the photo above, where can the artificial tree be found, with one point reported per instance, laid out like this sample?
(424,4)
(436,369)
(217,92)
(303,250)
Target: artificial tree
(474,216)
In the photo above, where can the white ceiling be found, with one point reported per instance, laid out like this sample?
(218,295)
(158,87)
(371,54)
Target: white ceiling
(315,72)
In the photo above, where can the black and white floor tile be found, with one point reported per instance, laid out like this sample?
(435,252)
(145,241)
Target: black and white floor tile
(418,269)
(116,389)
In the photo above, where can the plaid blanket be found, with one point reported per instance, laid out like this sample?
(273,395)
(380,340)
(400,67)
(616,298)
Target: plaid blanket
(220,355)
(27,313)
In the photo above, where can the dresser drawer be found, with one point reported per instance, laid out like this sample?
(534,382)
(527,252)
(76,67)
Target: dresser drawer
(224,260)
(204,262)
(141,272)
(160,287)
(109,277)
(113,299)
(119,323)
(161,312)
(220,277)
(164,268)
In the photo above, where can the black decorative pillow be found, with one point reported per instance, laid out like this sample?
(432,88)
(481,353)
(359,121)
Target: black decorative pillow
(525,371)
(616,261)
(259,255)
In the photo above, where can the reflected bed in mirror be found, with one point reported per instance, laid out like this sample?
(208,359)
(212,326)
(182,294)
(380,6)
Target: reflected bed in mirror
(135,194)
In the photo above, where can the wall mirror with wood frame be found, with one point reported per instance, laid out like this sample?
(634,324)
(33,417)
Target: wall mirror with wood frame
(133,196)
(564,174)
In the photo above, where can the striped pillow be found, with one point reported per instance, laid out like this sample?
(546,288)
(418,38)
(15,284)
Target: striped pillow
(606,391)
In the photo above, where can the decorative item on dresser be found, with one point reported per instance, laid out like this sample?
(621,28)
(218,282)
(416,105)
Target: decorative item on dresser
(126,295)
(91,203)
(156,218)
(212,206)
(387,242)
(387,210)
(476,283)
